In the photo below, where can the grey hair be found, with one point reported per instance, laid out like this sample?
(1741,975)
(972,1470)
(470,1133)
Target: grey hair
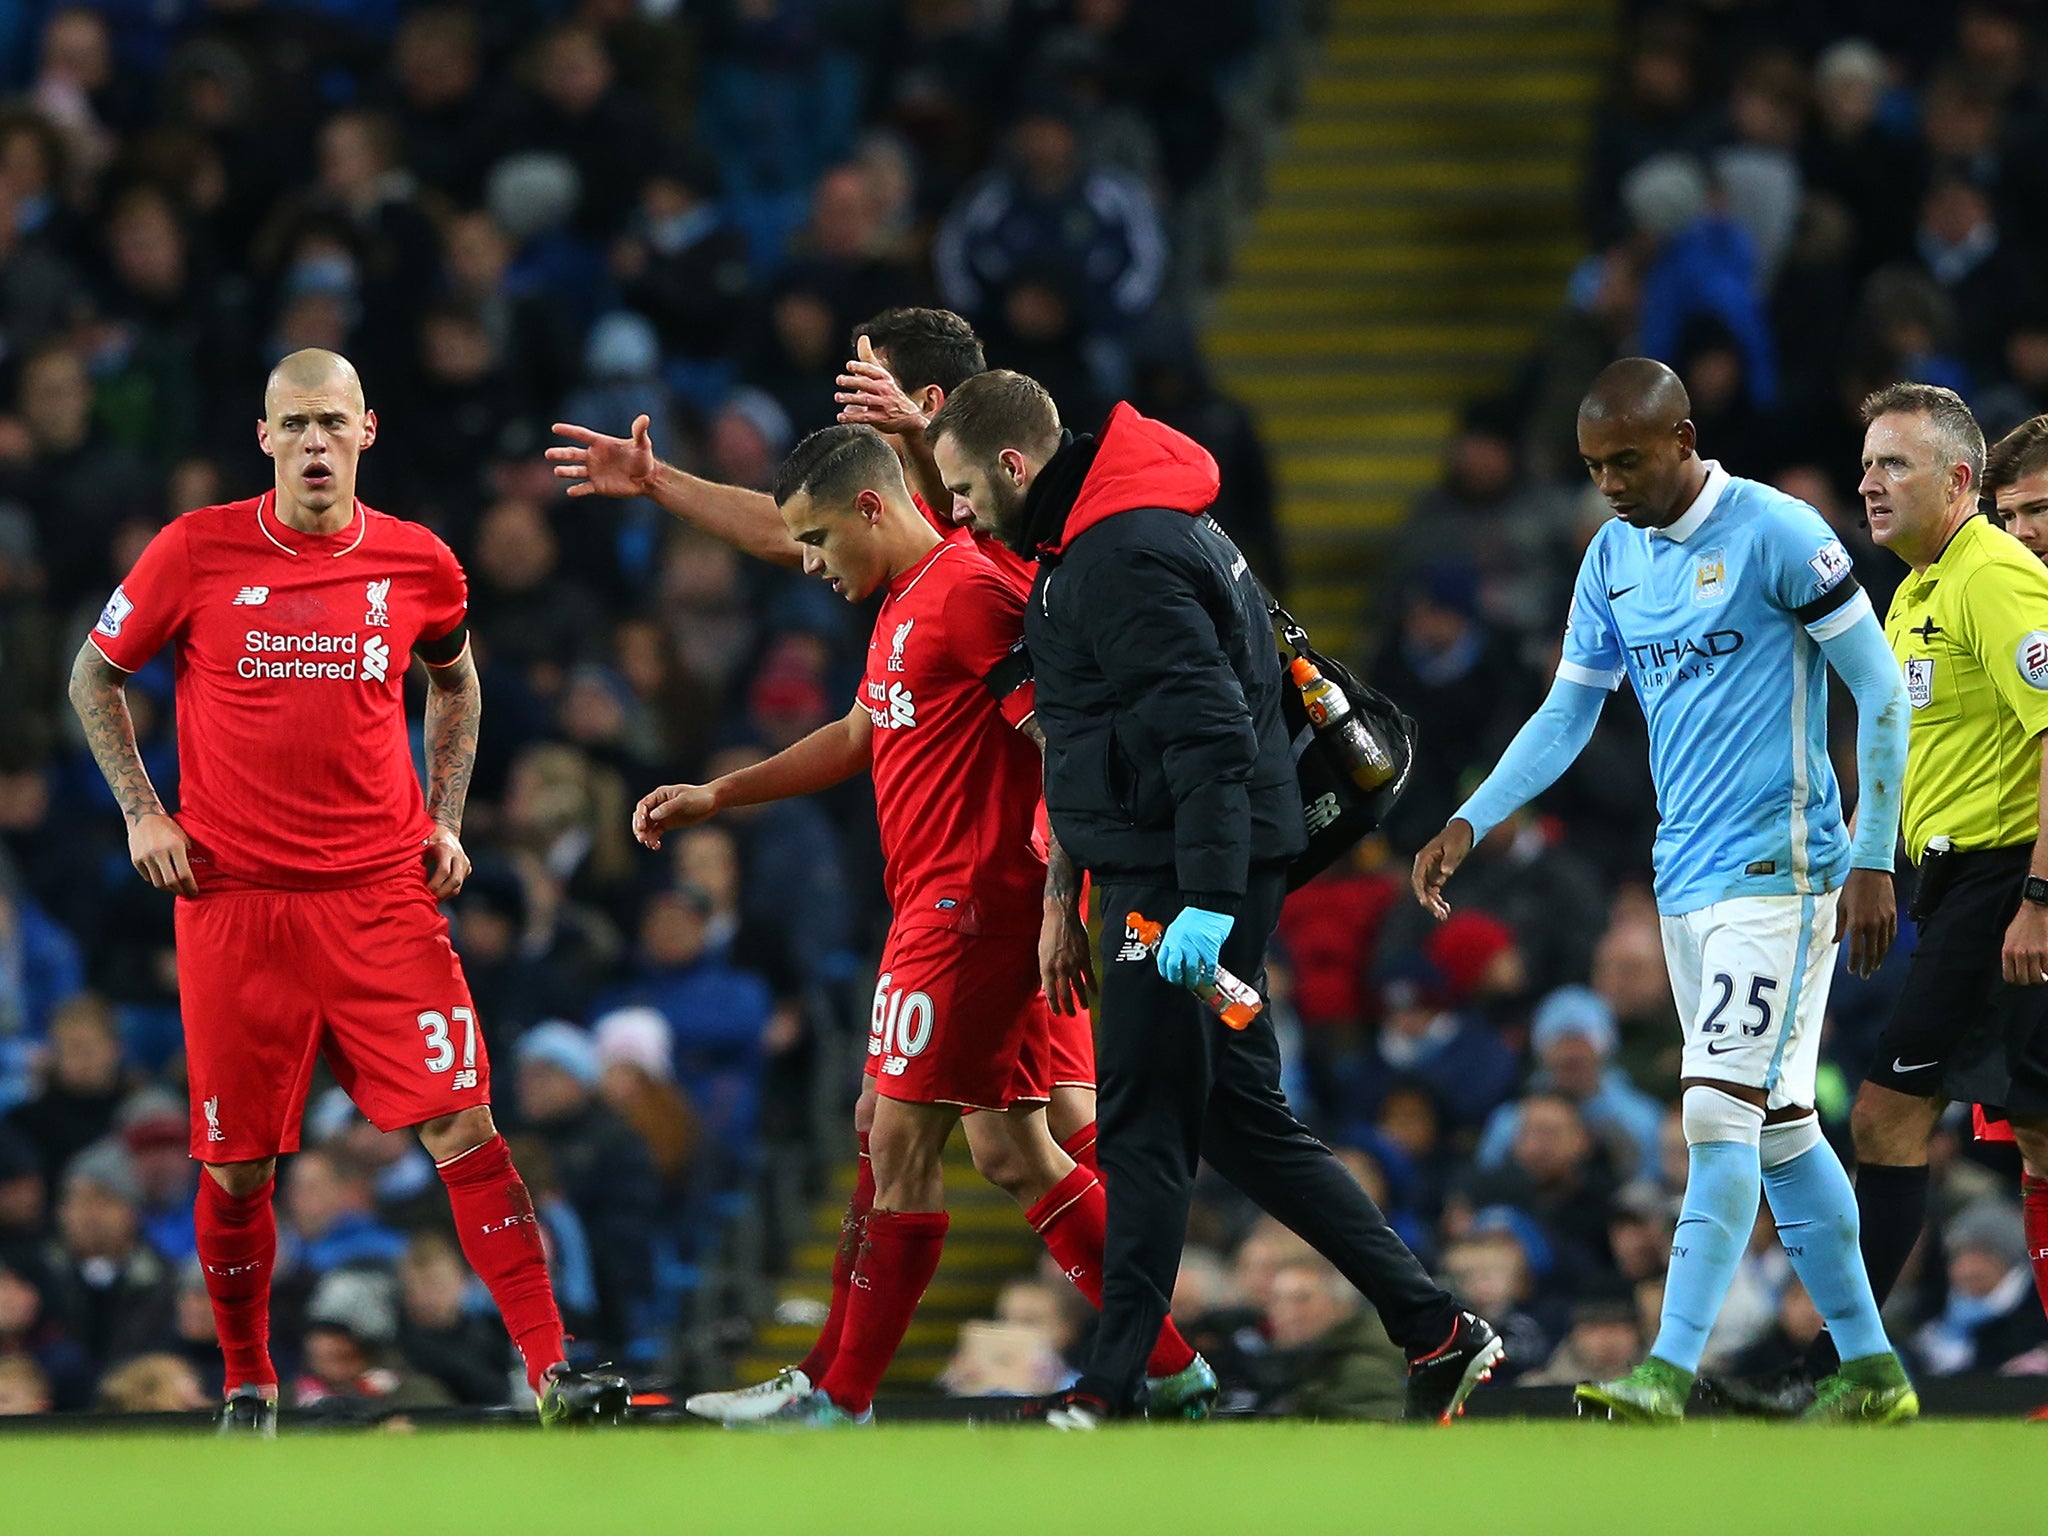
(1962,439)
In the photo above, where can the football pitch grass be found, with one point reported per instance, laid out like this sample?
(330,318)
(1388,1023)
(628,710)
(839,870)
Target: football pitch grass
(1709,1478)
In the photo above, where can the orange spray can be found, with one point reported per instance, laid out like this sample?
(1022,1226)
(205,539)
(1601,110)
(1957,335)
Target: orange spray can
(1228,998)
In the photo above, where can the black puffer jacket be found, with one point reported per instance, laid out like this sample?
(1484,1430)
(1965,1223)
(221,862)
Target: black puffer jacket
(1159,683)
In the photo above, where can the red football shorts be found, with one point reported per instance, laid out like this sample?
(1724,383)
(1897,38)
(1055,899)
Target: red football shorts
(269,981)
(960,1020)
(1987,1129)
(1073,1049)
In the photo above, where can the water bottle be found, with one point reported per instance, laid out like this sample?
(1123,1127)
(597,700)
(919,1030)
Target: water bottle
(1363,754)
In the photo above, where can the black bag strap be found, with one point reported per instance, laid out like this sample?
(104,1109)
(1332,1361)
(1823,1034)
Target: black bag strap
(1290,629)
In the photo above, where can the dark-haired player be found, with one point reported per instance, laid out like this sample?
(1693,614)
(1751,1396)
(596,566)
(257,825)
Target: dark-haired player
(944,723)
(308,866)
(907,362)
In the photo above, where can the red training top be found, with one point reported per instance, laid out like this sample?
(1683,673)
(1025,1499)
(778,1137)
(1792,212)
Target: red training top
(956,783)
(295,771)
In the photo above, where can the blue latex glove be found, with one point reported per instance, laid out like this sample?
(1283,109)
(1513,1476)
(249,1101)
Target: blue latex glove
(1188,949)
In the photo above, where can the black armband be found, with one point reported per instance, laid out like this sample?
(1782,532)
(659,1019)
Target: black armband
(1830,601)
(1009,674)
(438,653)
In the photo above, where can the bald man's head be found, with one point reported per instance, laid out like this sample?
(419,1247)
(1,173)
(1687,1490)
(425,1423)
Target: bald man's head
(1639,388)
(1637,440)
(315,427)
(309,369)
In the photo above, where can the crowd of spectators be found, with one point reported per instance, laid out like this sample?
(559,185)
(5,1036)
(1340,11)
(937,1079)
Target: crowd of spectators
(518,212)
(1792,203)
(508,214)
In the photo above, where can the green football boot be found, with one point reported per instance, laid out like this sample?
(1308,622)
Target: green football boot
(1873,1390)
(1655,1392)
(814,1410)
(1188,1393)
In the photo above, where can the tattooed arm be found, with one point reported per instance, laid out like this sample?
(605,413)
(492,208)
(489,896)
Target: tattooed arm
(455,706)
(1066,960)
(157,845)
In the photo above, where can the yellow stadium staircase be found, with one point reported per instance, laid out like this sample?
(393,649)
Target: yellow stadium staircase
(1419,224)
(988,1243)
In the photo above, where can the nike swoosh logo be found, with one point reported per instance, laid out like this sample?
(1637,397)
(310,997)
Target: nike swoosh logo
(1722,1047)
(1614,592)
(1918,1066)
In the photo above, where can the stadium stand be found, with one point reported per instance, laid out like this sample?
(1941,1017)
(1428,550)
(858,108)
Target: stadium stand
(514,212)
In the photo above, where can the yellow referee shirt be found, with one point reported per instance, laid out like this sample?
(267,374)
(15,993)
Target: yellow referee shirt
(1971,634)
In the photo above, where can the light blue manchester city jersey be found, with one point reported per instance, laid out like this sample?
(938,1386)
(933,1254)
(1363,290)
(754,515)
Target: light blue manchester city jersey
(1716,622)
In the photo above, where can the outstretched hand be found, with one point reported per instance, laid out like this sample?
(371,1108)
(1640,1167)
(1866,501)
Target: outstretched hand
(605,466)
(870,396)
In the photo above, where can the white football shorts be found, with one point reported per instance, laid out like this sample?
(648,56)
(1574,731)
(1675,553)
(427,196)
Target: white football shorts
(1751,976)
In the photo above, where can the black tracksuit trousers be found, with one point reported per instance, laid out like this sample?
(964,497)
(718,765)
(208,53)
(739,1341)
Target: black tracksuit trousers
(1177,1085)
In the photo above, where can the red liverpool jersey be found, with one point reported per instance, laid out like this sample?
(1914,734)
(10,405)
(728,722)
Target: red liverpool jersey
(956,783)
(1013,567)
(294,768)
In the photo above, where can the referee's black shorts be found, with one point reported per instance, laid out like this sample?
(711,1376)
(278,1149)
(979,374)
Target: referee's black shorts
(1959,1031)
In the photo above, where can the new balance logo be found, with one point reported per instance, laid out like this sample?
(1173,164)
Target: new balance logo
(1320,813)
(1134,948)
(211,1107)
(251,597)
(376,659)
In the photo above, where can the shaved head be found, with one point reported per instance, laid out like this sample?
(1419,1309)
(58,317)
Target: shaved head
(1637,441)
(314,427)
(1637,389)
(312,368)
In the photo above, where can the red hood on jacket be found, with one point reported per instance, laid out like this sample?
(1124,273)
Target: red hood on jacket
(1140,462)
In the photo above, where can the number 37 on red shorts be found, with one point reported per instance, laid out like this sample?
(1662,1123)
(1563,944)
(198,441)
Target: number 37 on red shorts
(270,981)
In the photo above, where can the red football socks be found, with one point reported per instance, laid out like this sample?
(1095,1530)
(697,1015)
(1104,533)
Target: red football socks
(1072,1219)
(500,1236)
(2034,1202)
(895,1264)
(853,1229)
(238,1252)
(1081,1147)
